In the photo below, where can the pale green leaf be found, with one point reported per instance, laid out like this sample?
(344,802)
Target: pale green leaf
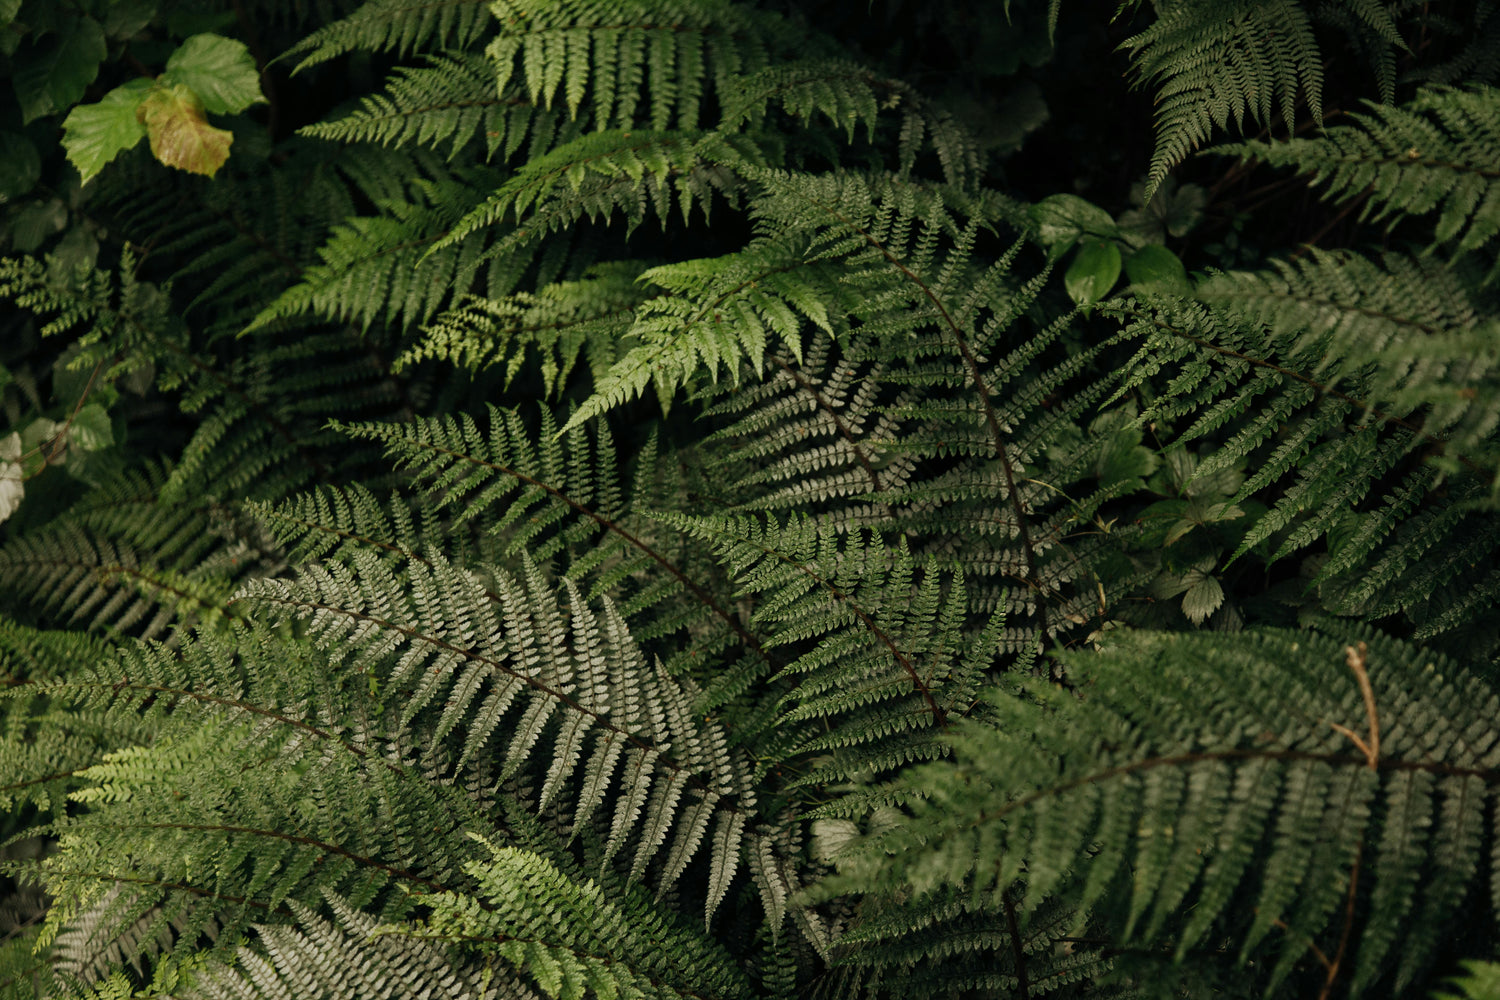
(94,134)
(219,70)
(1093,272)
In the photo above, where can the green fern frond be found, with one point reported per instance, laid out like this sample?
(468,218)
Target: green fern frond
(550,328)
(1435,153)
(400,25)
(719,312)
(850,95)
(344,959)
(451,101)
(1213,61)
(572,939)
(505,670)
(1203,770)
(124,561)
(631,172)
(1415,335)
(400,267)
(646,66)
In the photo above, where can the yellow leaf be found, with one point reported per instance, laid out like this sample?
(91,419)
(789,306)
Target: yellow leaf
(180,135)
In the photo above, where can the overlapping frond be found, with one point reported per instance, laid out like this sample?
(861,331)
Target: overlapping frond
(1434,153)
(341,959)
(494,662)
(649,65)
(550,328)
(1200,780)
(402,26)
(1216,61)
(571,937)
(451,102)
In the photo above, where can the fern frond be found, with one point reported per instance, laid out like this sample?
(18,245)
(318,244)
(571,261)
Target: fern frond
(488,671)
(450,102)
(570,938)
(1213,61)
(644,66)
(634,173)
(850,95)
(1423,326)
(1435,153)
(343,959)
(399,267)
(402,26)
(1205,770)
(554,325)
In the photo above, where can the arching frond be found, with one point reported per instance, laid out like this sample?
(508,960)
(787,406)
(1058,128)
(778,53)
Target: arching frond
(1434,153)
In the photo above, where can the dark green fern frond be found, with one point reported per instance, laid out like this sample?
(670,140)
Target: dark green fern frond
(399,267)
(561,496)
(124,561)
(1212,61)
(221,837)
(400,25)
(452,102)
(850,95)
(502,665)
(1212,784)
(1413,335)
(1435,153)
(892,663)
(809,436)
(945,944)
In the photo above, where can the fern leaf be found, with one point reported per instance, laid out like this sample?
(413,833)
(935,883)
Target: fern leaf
(1434,153)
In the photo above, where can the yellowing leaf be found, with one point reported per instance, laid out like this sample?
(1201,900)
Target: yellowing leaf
(180,135)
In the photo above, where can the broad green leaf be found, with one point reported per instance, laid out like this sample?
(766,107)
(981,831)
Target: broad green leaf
(90,429)
(20,166)
(8,11)
(180,135)
(53,76)
(1093,272)
(94,134)
(219,70)
(1155,267)
(1064,219)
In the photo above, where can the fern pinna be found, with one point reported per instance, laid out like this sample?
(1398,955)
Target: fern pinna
(675,499)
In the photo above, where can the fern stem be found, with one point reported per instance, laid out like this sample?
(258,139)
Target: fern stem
(1338,956)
